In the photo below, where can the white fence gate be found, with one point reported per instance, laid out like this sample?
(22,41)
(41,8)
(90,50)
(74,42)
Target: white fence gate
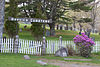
(34,47)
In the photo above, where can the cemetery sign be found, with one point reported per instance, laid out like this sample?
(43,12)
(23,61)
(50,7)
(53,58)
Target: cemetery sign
(30,20)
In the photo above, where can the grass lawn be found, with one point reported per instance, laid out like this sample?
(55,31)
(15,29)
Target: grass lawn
(17,60)
(67,35)
(95,58)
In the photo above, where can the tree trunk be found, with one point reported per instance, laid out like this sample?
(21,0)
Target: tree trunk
(66,26)
(52,29)
(93,28)
(80,28)
(2,6)
(99,33)
(88,32)
(74,26)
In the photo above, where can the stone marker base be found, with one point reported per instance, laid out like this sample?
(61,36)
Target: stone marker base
(78,59)
(26,57)
(41,62)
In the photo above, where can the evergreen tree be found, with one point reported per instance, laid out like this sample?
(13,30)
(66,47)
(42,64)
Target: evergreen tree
(12,27)
(51,9)
(36,28)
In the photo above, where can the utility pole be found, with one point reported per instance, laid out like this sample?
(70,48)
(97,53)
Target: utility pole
(2,7)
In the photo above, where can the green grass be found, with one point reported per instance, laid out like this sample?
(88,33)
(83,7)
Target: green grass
(17,60)
(95,58)
(67,35)
(26,34)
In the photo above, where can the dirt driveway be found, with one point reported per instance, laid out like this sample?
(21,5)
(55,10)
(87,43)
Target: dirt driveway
(69,64)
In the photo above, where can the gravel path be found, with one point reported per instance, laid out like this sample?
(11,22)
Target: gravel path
(69,64)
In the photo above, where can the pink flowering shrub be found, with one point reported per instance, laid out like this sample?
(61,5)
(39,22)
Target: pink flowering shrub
(84,44)
(84,40)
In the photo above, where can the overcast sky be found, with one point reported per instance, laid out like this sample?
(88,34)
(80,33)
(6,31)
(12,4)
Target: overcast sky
(7,0)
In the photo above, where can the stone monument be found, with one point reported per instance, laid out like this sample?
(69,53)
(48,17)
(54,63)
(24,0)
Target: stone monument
(62,52)
(26,57)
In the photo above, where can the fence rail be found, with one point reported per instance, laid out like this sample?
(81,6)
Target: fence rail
(34,47)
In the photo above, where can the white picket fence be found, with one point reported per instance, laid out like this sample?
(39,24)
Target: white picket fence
(25,46)
(34,47)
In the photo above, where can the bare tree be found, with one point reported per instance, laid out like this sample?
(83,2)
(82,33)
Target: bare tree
(93,15)
(2,5)
(98,28)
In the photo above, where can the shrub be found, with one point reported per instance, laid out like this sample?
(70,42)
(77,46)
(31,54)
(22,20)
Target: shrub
(84,44)
(71,51)
(37,31)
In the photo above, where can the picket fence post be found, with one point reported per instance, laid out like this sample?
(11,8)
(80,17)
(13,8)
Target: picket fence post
(44,46)
(60,41)
(16,44)
(0,44)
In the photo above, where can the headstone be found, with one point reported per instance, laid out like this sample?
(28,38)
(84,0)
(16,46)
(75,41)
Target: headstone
(79,33)
(47,33)
(62,52)
(26,57)
(96,31)
(70,28)
(93,38)
(61,27)
(57,27)
(25,26)
(21,30)
(41,62)
(4,37)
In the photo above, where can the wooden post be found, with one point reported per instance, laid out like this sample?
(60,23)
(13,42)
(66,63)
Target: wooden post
(60,41)
(2,7)
(16,43)
(44,46)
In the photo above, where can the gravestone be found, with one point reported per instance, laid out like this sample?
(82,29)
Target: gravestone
(62,52)
(20,30)
(61,27)
(47,33)
(57,27)
(4,37)
(25,26)
(26,57)
(41,62)
(79,33)
(93,38)
(70,28)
